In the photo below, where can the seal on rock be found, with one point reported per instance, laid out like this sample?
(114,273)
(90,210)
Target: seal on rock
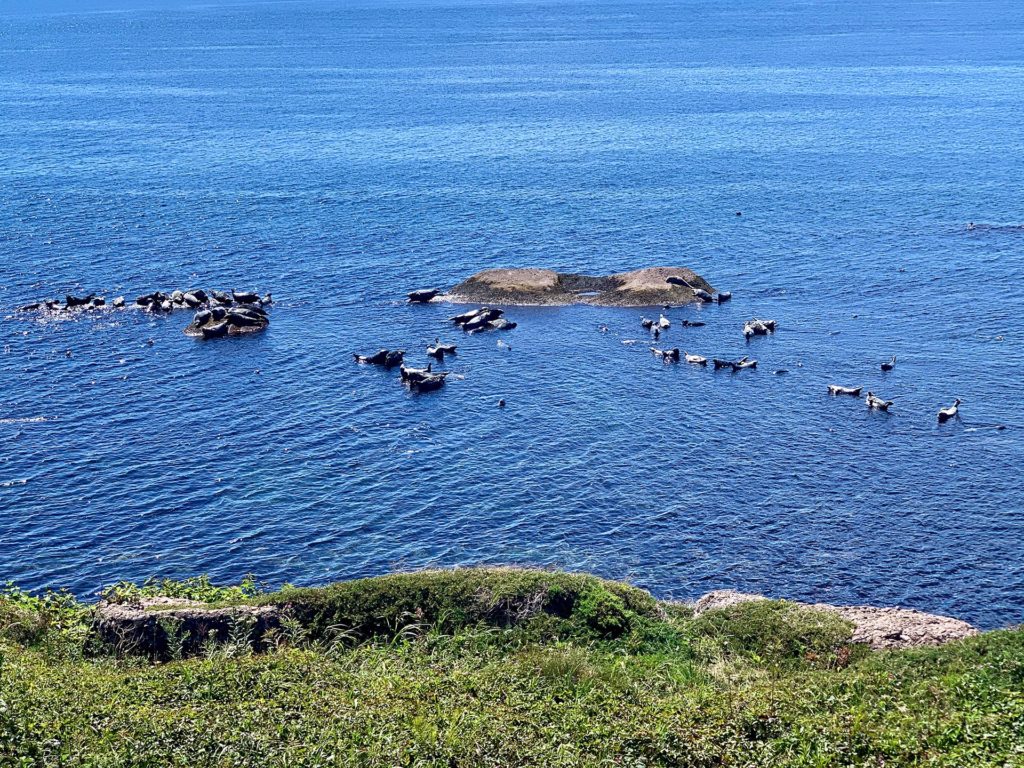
(422,296)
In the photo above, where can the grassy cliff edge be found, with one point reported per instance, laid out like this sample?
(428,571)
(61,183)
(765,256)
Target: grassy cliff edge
(475,667)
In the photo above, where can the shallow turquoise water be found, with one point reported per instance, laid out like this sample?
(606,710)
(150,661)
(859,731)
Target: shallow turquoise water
(343,153)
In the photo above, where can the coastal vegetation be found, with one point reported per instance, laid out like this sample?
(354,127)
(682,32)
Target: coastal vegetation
(491,667)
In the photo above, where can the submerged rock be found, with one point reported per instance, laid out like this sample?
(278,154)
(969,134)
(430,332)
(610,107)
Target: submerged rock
(642,287)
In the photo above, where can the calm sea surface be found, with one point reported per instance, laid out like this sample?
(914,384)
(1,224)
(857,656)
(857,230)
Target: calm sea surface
(342,153)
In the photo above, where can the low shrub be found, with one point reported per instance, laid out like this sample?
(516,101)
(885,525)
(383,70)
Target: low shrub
(553,604)
(54,619)
(775,632)
(198,588)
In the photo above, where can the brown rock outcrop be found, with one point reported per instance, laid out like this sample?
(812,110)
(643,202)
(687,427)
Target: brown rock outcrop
(639,288)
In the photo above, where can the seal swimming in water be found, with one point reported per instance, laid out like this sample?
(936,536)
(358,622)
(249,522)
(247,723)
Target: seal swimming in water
(414,374)
(758,327)
(245,297)
(667,355)
(742,363)
(723,297)
(74,301)
(483,314)
(377,358)
(890,365)
(438,350)
(647,323)
(946,414)
(393,358)
(465,317)
(429,383)
(876,403)
(476,324)
(422,296)
(835,389)
(695,359)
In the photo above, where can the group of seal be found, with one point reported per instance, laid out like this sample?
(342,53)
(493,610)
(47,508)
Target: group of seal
(759,327)
(876,403)
(426,379)
(417,379)
(674,355)
(71,303)
(699,294)
(483,319)
(217,313)
(218,321)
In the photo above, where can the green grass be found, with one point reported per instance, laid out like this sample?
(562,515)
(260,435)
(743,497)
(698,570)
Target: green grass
(505,668)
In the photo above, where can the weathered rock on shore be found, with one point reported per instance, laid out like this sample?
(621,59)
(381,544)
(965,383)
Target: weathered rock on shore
(879,628)
(165,627)
(640,288)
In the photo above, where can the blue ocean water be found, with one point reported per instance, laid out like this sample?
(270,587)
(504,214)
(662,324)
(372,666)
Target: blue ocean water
(342,153)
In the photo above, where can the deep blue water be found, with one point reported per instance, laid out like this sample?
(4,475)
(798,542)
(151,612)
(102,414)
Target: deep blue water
(341,154)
